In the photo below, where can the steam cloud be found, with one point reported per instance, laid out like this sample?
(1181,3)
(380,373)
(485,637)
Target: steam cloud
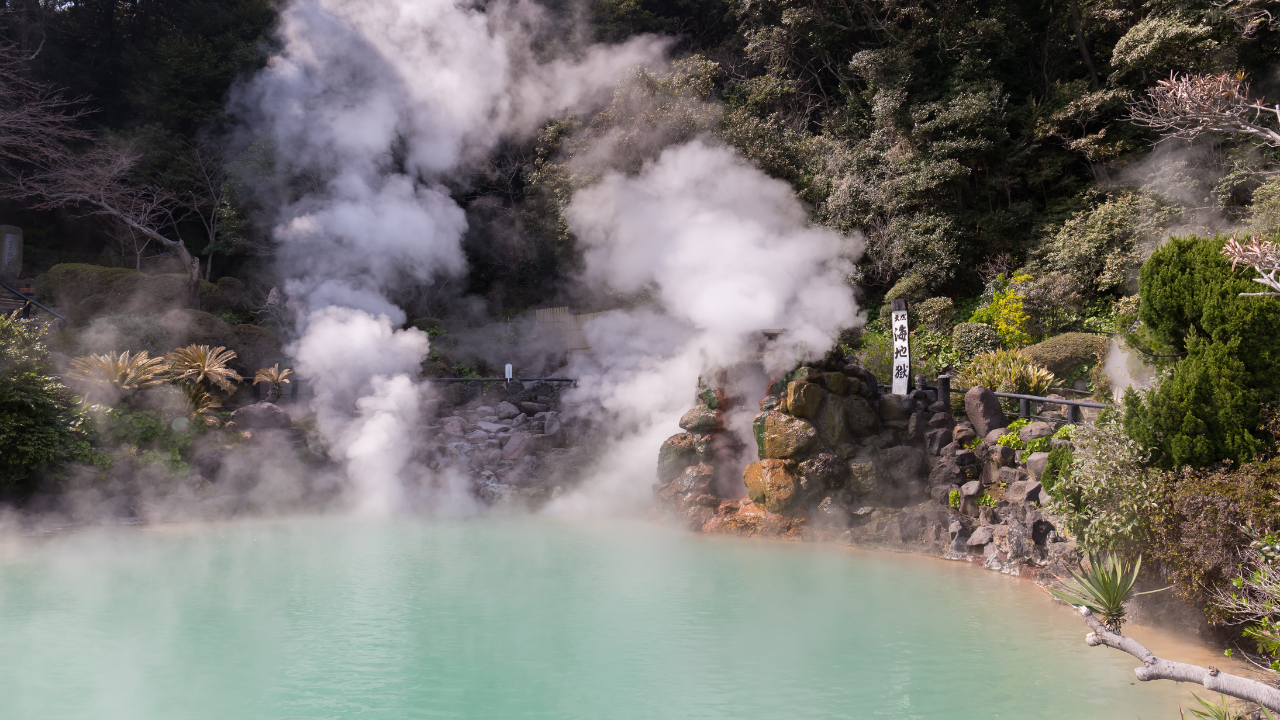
(371,105)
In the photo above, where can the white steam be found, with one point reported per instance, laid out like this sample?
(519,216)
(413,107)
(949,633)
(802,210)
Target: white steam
(369,106)
(725,251)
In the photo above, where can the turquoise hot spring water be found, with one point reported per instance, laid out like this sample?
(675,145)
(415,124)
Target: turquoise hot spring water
(529,617)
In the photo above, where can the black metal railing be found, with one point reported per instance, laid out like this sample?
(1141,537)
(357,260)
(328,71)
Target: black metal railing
(944,389)
(29,301)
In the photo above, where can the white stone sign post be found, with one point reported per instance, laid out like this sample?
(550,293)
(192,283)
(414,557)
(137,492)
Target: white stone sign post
(10,252)
(901,349)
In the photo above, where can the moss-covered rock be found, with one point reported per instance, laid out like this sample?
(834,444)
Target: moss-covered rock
(701,419)
(677,453)
(780,436)
(770,485)
(803,398)
(1064,354)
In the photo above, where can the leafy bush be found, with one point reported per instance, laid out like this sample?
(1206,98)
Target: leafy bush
(1006,311)
(1109,495)
(936,314)
(911,288)
(38,423)
(876,354)
(1199,414)
(1009,371)
(1065,354)
(1200,531)
(1057,465)
(971,338)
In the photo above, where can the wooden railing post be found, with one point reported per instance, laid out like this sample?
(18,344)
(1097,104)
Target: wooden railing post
(944,390)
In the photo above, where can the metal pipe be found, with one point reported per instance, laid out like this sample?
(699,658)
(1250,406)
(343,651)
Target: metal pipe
(33,302)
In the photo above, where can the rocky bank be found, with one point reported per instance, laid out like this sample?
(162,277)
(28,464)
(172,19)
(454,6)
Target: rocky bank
(838,460)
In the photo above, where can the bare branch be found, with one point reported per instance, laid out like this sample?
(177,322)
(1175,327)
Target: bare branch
(37,121)
(1262,255)
(1156,668)
(1186,106)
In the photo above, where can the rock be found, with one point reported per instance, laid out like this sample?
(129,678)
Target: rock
(993,437)
(821,472)
(935,440)
(1011,475)
(770,485)
(1023,491)
(1045,499)
(701,419)
(946,473)
(896,408)
(1002,456)
(533,407)
(1035,431)
(955,528)
(477,437)
(492,427)
(262,416)
(916,427)
(940,406)
(506,410)
(973,488)
(677,453)
(904,463)
(830,420)
(553,429)
(522,444)
(942,420)
(981,536)
(983,408)
(208,464)
(942,493)
(837,383)
(864,477)
(950,449)
(452,426)
(781,436)
(803,398)
(1035,463)
(963,434)
(695,480)
(860,418)
(833,513)
(965,457)
(808,375)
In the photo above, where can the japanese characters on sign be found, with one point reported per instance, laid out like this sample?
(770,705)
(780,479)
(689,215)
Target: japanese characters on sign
(901,349)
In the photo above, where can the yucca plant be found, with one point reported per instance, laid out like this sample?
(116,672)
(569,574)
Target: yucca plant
(198,364)
(275,377)
(1220,712)
(126,372)
(1102,587)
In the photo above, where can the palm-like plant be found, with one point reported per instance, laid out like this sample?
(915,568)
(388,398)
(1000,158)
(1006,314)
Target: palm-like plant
(197,364)
(275,377)
(1102,587)
(127,372)
(200,403)
(1008,371)
(1221,712)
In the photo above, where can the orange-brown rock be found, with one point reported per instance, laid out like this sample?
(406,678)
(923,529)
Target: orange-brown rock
(770,484)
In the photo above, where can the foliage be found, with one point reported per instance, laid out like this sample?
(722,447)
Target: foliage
(275,377)
(38,424)
(876,354)
(200,404)
(1006,311)
(1063,355)
(953,499)
(933,353)
(199,364)
(118,375)
(1198,533)
(1056,467)
(1198,414)
(971,338)
(1008,371)
(1110,497)
(985,500)
(936,314)
(1103,586)
(144,436)
(125,332)
(1222,712)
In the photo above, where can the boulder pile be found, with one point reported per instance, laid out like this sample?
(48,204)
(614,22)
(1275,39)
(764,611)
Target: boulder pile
(840,460)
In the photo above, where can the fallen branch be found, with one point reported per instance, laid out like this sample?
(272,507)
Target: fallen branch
(1155,668)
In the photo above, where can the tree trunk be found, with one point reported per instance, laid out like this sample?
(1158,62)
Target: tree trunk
(1154,668)
(273,393)
(1084,46)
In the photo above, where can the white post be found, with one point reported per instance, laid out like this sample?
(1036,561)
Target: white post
(508,372)
(901,349)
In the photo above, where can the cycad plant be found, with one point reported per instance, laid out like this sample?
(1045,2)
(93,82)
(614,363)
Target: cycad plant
(1011,371)
(1103,586)
(200,403)
(1221,712)
(200,364)
(125,373)
(275,377)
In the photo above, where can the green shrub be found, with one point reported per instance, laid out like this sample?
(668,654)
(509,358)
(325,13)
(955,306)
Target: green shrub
(876,354)
(1007,371)
(953,499)
(969,339)
(936,314)
(1007,310)
(1064,355)
(1199,414)
(1057,465)
(911,288)
(69,283)
(39,425)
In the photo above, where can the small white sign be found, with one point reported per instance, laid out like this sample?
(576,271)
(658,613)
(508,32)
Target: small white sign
(901,354)
(508,372)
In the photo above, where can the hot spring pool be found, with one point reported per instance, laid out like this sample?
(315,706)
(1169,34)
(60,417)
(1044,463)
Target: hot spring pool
(529,618)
